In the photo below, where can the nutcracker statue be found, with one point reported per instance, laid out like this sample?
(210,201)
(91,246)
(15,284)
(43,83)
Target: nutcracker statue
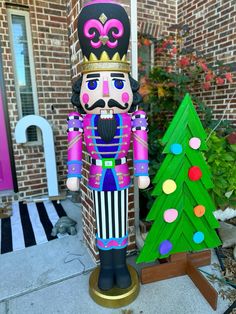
(106,97)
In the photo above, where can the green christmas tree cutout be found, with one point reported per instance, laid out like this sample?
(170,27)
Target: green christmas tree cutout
(183,210)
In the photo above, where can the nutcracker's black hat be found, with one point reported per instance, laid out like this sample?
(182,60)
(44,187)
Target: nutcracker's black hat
(104,32)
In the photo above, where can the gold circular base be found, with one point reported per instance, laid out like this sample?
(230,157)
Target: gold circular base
(115,297)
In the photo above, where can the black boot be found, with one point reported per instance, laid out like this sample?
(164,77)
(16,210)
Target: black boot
(122,275)
(106,275)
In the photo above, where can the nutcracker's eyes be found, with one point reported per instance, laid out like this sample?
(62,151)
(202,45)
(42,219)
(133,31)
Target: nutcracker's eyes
(118,83)
(92,84)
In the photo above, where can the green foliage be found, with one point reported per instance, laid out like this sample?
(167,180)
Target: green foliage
(163,92)
(221,158)
(182,71)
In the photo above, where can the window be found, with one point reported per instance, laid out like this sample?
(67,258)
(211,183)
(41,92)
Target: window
(145,55)
(25,86)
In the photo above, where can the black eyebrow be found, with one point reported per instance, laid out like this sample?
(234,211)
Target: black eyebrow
(93,75)
(117,75)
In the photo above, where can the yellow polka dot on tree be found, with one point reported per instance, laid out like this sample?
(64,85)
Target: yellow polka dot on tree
(169,186)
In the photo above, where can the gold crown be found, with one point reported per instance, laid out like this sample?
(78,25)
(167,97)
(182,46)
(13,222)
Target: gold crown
(104,63)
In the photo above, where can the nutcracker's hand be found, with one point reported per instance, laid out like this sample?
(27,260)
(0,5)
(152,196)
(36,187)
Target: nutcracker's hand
(143,182)
(73,184)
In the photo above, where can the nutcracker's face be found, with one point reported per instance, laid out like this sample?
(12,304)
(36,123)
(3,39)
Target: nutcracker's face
(106,92)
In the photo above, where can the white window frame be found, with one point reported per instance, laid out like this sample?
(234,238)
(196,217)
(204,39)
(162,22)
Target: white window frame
(11,12)
(152,55)
(134,38)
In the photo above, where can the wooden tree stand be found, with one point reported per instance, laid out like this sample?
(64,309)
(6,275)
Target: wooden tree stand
(184,264)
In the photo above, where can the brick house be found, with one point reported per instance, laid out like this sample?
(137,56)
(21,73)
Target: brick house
(36,73)
(213,31)
(39,60)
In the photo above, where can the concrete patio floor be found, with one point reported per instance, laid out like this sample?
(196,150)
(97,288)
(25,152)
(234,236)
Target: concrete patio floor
(53,278)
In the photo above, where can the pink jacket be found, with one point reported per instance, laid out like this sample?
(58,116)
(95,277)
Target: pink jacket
(109,170)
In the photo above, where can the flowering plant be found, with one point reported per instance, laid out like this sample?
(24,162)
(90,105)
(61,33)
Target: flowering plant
(180,70)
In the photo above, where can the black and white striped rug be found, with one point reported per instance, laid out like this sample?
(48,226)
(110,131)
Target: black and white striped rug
(30,224)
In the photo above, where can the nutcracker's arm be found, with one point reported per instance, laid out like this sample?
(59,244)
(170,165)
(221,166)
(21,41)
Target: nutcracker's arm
(140,147)
(75,130)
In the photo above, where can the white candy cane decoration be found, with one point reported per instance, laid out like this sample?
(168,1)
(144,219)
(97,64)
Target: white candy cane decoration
(48,143)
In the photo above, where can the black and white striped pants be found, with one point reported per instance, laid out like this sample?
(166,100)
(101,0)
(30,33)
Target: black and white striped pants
(111,213)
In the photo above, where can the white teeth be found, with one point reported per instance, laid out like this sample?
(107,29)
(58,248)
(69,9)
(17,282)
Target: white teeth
(106,114)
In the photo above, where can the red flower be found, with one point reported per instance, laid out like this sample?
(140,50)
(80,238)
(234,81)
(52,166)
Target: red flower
(203,66)
(207,85)
(184,61)
(209,76)
(169,69)
(165,44)
(231,138)
(140,60)
(174,50)
(220,81)
(159,50)
(229,77)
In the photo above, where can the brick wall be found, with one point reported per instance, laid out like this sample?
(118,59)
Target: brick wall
(155,17)
(154,20)
(213,32)
(53,80)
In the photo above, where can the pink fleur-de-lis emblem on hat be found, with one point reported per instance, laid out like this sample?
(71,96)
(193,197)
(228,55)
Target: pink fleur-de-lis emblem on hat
(103,31)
